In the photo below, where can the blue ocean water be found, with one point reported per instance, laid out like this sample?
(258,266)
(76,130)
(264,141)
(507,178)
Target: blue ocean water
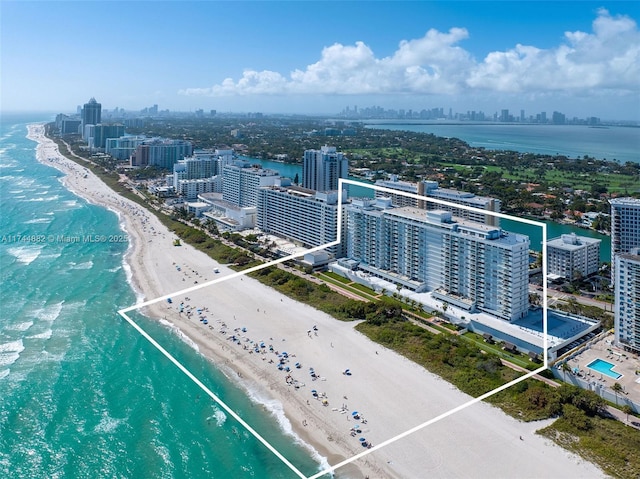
(82,394)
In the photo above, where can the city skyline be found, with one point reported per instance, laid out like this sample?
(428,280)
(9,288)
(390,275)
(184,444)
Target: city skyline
(581,58)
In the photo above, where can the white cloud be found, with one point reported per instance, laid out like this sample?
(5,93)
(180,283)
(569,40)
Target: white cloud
(606,59)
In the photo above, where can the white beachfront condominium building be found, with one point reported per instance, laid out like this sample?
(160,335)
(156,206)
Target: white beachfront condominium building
(569,256)
(474,266)
(432,190)
(627,300)
(241,181)
(322,168)
(304,216)
(625,225)
(122,148)
(200,173)
(625,244)
(160,152)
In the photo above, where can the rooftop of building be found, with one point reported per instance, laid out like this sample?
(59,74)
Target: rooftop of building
(626,201)
(572,242)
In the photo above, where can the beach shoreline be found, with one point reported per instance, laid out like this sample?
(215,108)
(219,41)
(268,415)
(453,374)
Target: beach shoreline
(379,377)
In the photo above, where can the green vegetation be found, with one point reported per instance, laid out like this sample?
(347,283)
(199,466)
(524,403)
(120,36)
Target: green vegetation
(606,442)
(449,356)
(580,426)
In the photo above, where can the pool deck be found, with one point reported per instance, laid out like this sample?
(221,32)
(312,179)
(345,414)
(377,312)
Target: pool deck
(623,363)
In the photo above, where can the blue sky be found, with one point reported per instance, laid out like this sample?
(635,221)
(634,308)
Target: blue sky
(581,58)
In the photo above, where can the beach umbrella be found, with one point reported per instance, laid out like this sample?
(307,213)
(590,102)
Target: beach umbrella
(354,413)
(362,439)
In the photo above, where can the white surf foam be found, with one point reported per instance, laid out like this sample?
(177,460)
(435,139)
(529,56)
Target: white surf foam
(4,373)
(107,425)
(25,254)
(49,313)
(219,416)
(44,335)
(19,326)
(178,332)
(36,221)
(277,411)
(85,265)
(10,352)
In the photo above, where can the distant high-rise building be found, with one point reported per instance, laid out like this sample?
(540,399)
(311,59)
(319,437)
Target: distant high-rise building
(102,132)
(91,114)
(558,118)
(122,148)
(322,168)
(160,152)
(504,116)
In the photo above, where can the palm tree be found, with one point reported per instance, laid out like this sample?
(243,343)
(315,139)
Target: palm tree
(565,367)
(627,410)
(617,389)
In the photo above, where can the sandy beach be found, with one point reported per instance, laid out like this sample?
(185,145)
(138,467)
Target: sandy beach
(250,327)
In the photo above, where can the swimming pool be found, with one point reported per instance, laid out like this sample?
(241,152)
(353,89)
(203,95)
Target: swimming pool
(604,367)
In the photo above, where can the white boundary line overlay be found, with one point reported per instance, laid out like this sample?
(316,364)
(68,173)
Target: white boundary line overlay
(341,182)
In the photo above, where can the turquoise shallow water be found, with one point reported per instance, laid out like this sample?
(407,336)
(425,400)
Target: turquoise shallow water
(82,394)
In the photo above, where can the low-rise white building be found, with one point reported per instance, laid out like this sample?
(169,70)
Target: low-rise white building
(571,255)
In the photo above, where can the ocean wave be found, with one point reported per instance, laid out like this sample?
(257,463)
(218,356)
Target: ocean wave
(51,256)
(44,335)
(178,332)
(113,270)
(219,416)
(107,424)
(46,198)
(276,409)
(38,221)
(16,192)
(85,265)
(49,313)
(10,352)
(125,264)
(19,326)
(26,254)
(4,373)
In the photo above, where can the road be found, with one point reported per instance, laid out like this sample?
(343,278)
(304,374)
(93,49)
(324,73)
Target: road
(554,296)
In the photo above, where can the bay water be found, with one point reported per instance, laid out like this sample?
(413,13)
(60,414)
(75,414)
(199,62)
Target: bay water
(621,143)
(82,394)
